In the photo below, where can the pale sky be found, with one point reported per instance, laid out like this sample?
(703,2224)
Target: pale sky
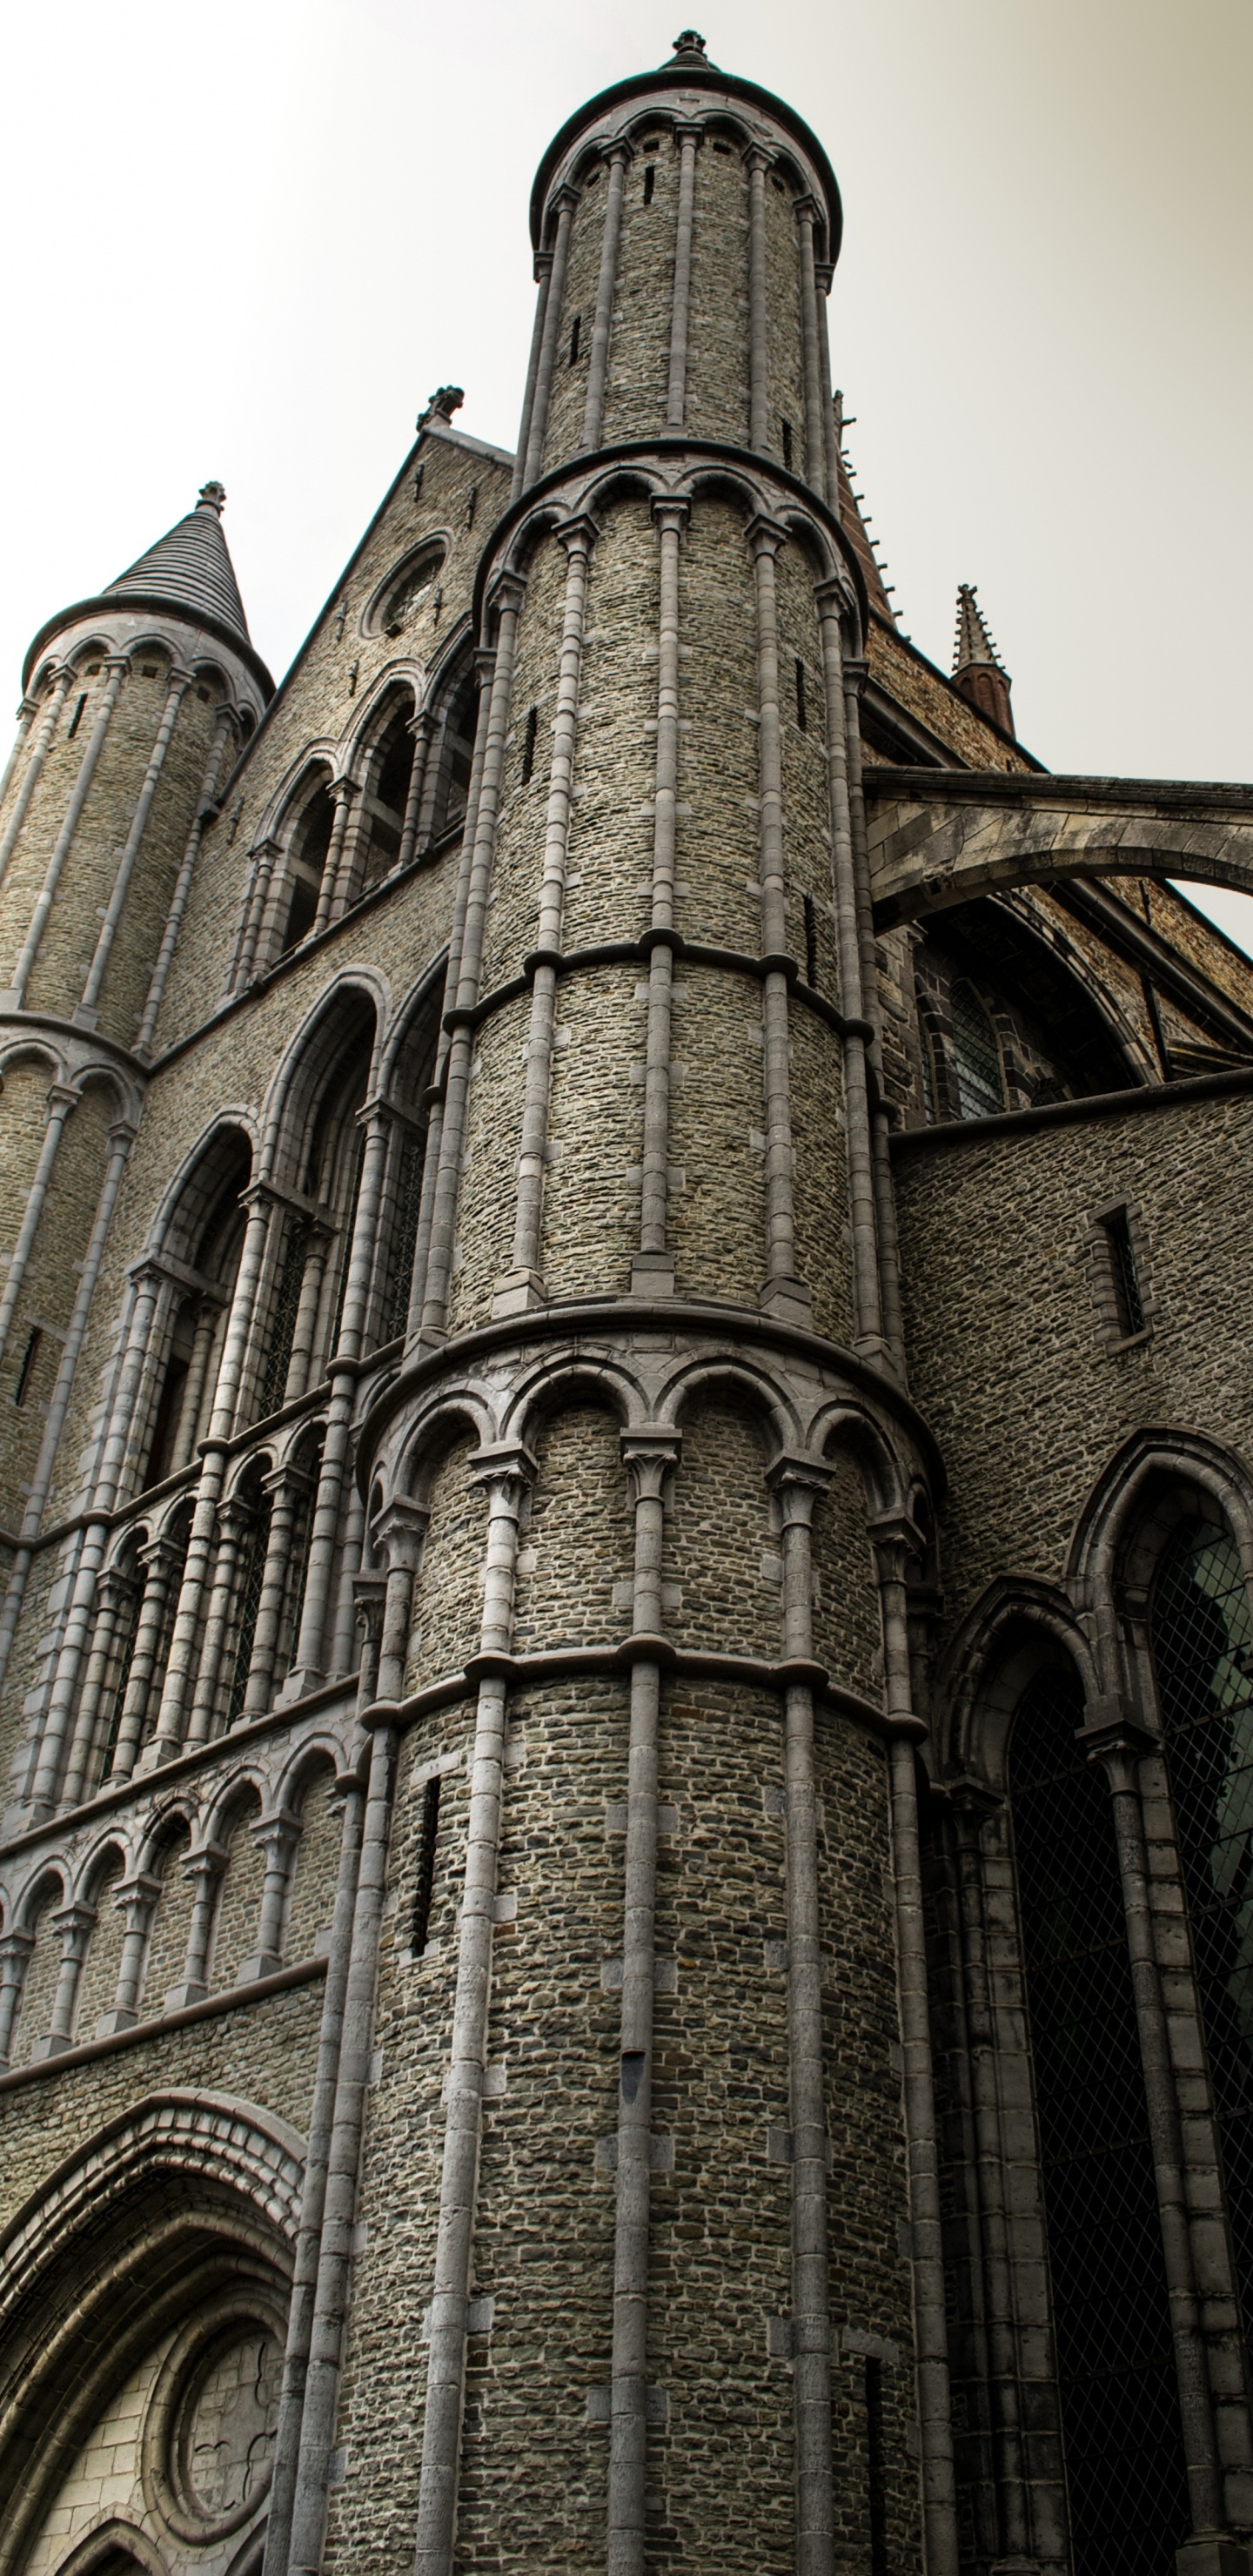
(249,242)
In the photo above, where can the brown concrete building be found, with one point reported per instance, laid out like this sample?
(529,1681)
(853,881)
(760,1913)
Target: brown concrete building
(627,1457)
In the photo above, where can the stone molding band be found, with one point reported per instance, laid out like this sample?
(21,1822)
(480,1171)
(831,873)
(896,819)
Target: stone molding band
(560,1663)
(303,1973)
(633,952)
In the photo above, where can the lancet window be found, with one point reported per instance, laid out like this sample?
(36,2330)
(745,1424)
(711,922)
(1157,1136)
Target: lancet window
(307,852)
(1117,2389)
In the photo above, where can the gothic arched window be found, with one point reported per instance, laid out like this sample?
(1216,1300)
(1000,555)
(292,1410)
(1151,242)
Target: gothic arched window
(1121,2434)
(306,859)
(1203,1648)
(976,1056)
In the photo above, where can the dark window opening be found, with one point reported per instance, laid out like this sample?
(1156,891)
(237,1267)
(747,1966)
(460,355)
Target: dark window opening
(976,1056)
(203,696)
(472,505)
(169,1412)
(34,1340)
(1122,1270)
(148,670)
(1117,2390)
(650,182)
(310,845)
(92,669)
(528,745)
(408,1207)
(802,710)
(456,757)
(724,150)
(291,1280)
(424,1886)
(77,717)
(786,429)
(574,338)
(417,482)
(248,1605)
(811,941)
(386,800)
(1203,1649)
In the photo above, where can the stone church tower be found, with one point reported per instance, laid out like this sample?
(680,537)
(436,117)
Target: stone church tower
(627,1925)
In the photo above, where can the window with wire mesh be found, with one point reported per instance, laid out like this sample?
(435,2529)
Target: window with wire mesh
(247,1605)
(1203,1646)
(121,1658)
(291,1279)
(405,1211)
(1121,2435)
(345,1243)
(298,1569)
(976,1056)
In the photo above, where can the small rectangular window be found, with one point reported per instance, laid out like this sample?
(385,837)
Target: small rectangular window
(77,717)
(417,482)
(26,1371)
(424,1886)
(574,338)
(802,711)
(650,181)
(811,940)
(786,428)
(471,506)
(528,745)
(1124,1277)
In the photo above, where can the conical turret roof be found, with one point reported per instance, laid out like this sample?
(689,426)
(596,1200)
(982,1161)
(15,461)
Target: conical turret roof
(190,567)
(188,571)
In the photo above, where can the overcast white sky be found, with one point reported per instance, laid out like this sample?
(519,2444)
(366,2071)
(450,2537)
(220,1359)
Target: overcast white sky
(249,242)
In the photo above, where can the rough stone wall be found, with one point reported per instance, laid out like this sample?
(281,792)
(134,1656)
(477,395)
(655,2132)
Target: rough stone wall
(46,1299)
(635,405)
(717,364)
(785,383)
(1007,1358)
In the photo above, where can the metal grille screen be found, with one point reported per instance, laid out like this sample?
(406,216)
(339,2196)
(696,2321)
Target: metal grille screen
(1120,2417)
(1203,1641)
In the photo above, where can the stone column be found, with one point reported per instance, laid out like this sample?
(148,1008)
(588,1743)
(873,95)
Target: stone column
(652,1271)
(885,1197)
(313,2196)
(318,1240)
(306,1669)
(115,1595)
(1110,1738)
(369,1593)
(184,1644)
(204,1868)
(399,1534)
(616,159)
(543,277)
(824,271)
(806,213)
(277,1837)
(564,204)
(506,1473)
(859,1143)
(60,1101)
(757,162)
(522,1286)
(333,891)
(160,1564)
(121,1138)
(87,1013)
(203,1332)
(15,1950)
(235,1520)
(509,597)
(256,897)
(339,1654)
(289,1488)
(73,1927)
(687,138)
(117,667)
(422,728)
(136,1898)
(797,1485)
(222,731)
(651,1456)
(485,664)
(783,1293)
(61,686)
(893,1541)
(26,715)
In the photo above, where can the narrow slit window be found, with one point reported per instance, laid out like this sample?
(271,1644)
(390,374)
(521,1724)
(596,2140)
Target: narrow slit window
(802,710)
(424,1886)
(876,2468)
(77,717)
(811,942)
(575,329)
(417,482)
(528,745)
(786,429)
(650,181)
(1124,1277)
(471,506)
(29,1356)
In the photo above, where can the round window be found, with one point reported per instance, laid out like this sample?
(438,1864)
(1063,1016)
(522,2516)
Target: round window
(208,2450)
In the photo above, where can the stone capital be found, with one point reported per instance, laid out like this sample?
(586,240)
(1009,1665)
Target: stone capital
(278,1834)
(506,594)
(805,209)
(758,156)
(670,514)
(1112,1736)
(833,599)
(72,1924)
(577,534)
(824,271)
(369,1594)
(135,1898)
(342,790)
(764,536)
(797,1483)
(563,201)
(399,1531)
(650,1452)
(506,1467)
(543,266)
(684,130)
(206,1863)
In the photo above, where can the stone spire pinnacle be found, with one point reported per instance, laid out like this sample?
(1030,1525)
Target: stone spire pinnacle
(978,670)
(689,50)
(190,568)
